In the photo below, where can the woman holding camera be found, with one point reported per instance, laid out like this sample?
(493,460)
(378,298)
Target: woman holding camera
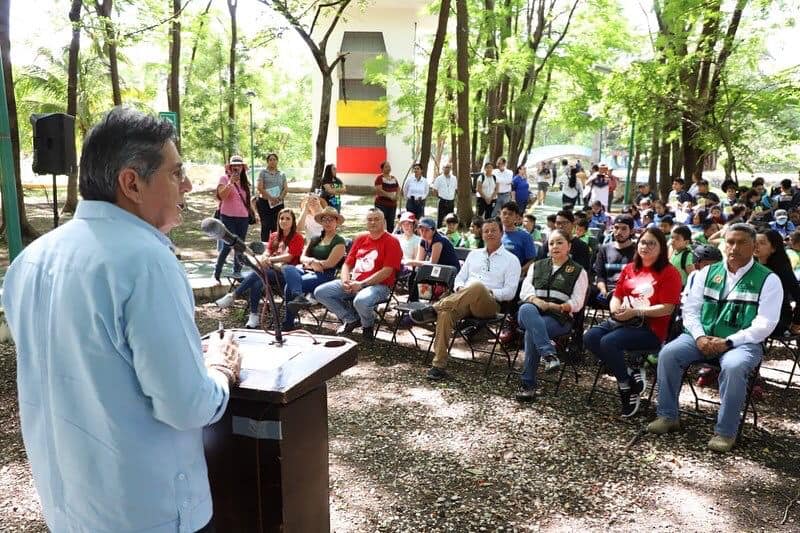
(647,291)
(233,193)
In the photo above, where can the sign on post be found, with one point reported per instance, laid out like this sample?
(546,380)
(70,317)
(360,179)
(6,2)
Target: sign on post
(171,116)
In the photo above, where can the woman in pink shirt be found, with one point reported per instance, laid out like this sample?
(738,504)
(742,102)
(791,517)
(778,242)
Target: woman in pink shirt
(233,192)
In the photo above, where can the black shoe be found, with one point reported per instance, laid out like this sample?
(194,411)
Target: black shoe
(525,394)
(436,374)
(368,334)
(348,327)
(237,276)
(637,381)
(424,315)
(629,398)
(297,304)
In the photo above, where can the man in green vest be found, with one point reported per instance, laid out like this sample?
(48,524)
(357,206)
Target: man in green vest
(728,311)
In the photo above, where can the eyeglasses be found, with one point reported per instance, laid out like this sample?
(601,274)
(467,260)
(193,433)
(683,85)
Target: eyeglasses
(328,219)
(648,244)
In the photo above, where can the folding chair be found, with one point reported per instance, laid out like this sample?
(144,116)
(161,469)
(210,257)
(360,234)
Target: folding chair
(434,282)
(567,351)
(462,253)
(493,325)
(792,344)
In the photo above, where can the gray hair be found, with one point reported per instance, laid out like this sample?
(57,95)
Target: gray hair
(124,138)
(744,228)
(376,210)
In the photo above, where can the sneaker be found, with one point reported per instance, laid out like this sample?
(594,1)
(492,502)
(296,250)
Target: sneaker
(662,425)
(368,333)
(253,320)
(436,374)
(226,301)
(424,315)
(298,304)
(237,276)
(550,363)
(638,379)
(721,444)
(525,394)
(630,398)
(347,327)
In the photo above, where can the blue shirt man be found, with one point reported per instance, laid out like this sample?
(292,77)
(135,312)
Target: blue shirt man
(516,240)
(113,389)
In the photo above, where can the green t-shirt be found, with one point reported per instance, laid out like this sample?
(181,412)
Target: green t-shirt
(681,260)
(468,240)
(454,238)
(318,250)
(536,235)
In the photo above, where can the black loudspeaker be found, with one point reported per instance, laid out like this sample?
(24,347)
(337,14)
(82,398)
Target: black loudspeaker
(53,143)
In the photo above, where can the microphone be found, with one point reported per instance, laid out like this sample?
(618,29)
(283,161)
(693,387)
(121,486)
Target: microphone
(216,230)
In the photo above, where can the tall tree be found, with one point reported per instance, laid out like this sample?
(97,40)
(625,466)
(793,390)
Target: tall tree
(28,231)
(462,102)
(294,13)
(173,80)
(430,85)
(72,94)
(103,9)
(232,5)
(198,35)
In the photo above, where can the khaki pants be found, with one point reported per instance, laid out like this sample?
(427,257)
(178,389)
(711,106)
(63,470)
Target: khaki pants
(474,300)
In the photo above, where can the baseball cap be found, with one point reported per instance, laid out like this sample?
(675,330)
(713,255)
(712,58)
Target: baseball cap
(408,216)
(624,219)
(427,222)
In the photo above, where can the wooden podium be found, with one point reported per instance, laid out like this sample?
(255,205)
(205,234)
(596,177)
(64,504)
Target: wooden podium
(268,455)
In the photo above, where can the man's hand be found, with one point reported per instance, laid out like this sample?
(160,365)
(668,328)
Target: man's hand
(223,355)
(538,302)
(711,346)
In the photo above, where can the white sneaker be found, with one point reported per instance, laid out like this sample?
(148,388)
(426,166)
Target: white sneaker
(226,301)
(253,321)
(550,363)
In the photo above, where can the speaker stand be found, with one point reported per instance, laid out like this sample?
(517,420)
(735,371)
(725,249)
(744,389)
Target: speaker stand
(55,203)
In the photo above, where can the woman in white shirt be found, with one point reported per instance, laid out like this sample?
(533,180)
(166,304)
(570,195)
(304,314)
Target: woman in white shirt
(486,189)
(503,176)
(311,207)
(409,240)
(571,188)
(416,189)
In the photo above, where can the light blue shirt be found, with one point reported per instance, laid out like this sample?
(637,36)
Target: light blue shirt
(113,392)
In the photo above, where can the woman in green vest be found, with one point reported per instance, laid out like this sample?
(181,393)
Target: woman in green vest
(553,290)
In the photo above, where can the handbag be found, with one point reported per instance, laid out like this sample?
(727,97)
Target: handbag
(612,323)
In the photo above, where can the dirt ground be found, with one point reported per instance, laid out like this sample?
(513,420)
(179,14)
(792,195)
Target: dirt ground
(407,455)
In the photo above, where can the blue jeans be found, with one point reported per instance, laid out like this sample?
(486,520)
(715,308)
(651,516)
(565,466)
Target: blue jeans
(298,282)
(736,365)
(502,198)
(238,226)
(610,345)
(255,287)
(538,332)
(351,307)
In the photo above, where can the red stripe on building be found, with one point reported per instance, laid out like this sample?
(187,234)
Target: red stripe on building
(360,159)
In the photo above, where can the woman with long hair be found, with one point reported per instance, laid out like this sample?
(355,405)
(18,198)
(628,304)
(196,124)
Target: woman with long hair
(771,252)
(272,188)
(285,246)
(553,290)
(332,187)
(647,291)
(233,192)
(571,188)
(386,190)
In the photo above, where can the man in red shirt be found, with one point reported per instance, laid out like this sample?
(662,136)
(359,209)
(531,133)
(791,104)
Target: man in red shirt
(368,273)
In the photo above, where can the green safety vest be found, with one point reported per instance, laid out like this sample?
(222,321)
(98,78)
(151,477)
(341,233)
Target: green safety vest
(555,287)
(724,314)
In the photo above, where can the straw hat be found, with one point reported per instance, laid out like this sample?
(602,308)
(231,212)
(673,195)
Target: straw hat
(329,211)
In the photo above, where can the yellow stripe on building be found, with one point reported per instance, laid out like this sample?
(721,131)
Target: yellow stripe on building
(361,114)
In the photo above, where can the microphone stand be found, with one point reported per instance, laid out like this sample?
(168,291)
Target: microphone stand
(258,268)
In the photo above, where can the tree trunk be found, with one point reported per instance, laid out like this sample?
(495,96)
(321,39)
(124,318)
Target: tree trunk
(476,118)
(232,137)
(322,132)
(652,176)
(448,95)
(28,231)
(173,80)
(462,100)
(637,155)
(663,163)
(430,85)
(103,10)
(72,95)
(194,48)
(677,159)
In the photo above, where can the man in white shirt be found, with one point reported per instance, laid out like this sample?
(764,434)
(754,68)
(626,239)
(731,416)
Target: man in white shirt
(503,176)
(489,275)
(728,311)
(444,186)
(416,189)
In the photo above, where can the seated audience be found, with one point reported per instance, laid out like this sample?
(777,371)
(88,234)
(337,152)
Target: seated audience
(610,260)
(782,224)
(472,238)
(368,273)
(516,240)
(647,291)
(450,229)
(408,239)
(553,291)
(579,250)
(489,276)
(727,313)
(681,256)
(600,219)
(771,253)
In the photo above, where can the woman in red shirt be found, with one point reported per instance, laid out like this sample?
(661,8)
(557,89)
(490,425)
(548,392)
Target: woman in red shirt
(284,247)
(648,290)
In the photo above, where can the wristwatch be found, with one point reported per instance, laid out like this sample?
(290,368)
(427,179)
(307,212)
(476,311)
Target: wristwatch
(729,344)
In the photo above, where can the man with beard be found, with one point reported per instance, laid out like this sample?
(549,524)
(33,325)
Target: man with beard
(611,258)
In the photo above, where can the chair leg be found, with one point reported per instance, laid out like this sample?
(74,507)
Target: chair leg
(594,384)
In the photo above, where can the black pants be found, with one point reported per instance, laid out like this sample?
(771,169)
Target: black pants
(416,206)
(484,209)
(445,207)
(268,216)
(389,214)
(566,200)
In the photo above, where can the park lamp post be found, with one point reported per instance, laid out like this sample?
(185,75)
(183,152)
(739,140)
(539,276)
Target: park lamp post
(250,94)
(630,161)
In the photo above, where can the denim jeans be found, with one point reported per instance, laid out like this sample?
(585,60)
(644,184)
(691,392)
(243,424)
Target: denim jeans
(736,365)
(298,282)
(502,198)
(253,285)
(238,226)
(610,345)
(350,307)
(538,332)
